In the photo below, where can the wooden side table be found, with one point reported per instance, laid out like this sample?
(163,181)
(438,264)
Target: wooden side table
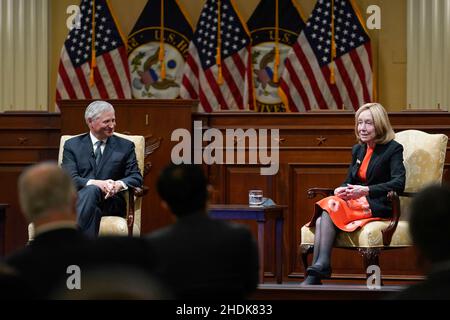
(2,228)
(260,215)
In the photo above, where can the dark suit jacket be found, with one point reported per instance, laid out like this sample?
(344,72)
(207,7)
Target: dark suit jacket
(43,264)
(385,173)
(118,161)
(202,258)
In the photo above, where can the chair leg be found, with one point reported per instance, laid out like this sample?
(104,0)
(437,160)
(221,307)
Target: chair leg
(305,250)
(370,258)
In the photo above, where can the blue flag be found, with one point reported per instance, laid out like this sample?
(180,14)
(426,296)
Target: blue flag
(157,48)
(268,64)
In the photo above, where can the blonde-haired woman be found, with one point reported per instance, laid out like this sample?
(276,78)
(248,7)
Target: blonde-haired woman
(376,168)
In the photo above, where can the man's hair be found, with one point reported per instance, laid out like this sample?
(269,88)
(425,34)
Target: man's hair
(44,187)
(383,129)
(96,108)
(184,188)
(430,222)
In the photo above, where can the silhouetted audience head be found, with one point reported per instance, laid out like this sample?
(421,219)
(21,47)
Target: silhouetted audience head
(12,286)
(430,222)
(46,190)
(184,188)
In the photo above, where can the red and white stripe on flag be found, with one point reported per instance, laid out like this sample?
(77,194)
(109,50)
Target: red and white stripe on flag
(111,78)
(306,81)
(201,73)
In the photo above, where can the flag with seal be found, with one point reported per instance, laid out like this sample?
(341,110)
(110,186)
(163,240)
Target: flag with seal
(157,47)
(274,27)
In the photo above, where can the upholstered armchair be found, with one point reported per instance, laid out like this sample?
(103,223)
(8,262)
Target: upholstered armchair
(424,156)
(130,223)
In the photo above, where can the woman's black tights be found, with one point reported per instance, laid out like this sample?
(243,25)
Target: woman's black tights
(325,234)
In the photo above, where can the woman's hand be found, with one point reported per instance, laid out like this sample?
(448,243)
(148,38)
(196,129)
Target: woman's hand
(356,191)
(341,192)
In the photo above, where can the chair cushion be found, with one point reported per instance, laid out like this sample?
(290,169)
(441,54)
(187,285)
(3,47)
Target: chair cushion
(368,236)
(112,225)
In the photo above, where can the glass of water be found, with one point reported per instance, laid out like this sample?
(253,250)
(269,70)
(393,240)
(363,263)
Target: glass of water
(255,198)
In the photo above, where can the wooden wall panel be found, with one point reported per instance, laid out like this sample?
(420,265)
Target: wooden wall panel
(237,181)
(25,139)
(301,177)
(16,235)
(240,179)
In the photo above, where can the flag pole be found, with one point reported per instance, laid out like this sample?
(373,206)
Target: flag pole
(93,53)
(333,46)
(219,45)
(161,44)
(277,47)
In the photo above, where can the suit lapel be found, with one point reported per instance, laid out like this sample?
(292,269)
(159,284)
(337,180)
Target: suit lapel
(377,152)
(359,160)
(109,147)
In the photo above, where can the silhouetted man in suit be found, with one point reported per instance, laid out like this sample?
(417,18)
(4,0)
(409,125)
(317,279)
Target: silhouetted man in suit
(430,230)
(101,165)
(48,197)
(198,257)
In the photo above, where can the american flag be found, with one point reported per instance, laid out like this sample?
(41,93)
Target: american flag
(111,77)
(201,79)
(306,81)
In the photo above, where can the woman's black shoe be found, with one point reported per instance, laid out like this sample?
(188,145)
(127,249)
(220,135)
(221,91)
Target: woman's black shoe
(311,280)
(319,272)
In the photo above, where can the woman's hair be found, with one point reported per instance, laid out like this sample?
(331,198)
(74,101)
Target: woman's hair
(383,129)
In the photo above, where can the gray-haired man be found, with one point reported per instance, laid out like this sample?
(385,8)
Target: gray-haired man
(101,165)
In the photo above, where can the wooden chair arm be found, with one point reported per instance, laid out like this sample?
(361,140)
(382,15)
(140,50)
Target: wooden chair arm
(313,192)
(133,192)
(407,194)
(130,215)
(394,197)
(139,191)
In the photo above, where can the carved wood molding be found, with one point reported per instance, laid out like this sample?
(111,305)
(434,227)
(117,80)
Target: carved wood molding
(22,140)
(321,140)
(147,167)
(151,145)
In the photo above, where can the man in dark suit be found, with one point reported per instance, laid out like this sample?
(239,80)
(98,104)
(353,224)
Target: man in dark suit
(101,166)
(429,228)
(198,257)
(60,250)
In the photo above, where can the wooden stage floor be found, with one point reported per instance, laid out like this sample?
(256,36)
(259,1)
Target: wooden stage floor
(293,291)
